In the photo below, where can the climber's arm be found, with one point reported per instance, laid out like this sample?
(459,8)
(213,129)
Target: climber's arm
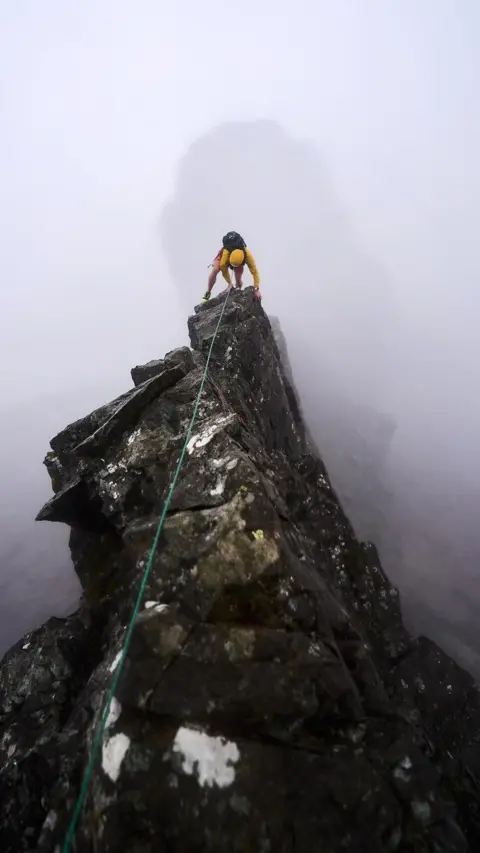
(250,261)
(224,265)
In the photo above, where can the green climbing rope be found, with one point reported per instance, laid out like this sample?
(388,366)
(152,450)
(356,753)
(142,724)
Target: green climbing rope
(98,738)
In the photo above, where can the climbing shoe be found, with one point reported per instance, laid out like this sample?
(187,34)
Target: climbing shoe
(206,297)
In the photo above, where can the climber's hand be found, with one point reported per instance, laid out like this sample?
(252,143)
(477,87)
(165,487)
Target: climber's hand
(258,295)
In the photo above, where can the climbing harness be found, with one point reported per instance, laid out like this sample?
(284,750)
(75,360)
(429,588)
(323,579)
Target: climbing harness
(98,737)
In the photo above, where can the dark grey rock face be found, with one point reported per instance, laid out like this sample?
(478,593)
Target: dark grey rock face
(142,372)
(271,699)
(182,356)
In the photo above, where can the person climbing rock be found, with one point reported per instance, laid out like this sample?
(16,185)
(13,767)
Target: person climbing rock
(234,255)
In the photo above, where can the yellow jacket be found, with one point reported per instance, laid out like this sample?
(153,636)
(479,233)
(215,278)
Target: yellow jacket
(250,262)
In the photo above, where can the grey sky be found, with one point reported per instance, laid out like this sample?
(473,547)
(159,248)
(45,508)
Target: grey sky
(100,100)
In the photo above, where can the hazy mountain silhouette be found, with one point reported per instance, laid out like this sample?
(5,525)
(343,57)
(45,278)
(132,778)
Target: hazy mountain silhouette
(332,300)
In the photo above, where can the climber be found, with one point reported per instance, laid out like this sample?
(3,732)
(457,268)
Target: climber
(233,255)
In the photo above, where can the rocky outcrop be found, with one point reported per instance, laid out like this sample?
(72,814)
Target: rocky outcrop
(181,356)
(271,699)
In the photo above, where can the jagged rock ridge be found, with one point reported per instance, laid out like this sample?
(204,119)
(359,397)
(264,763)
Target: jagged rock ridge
(271,699)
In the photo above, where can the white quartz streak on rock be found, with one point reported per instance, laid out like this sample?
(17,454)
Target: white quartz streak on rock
(210,759)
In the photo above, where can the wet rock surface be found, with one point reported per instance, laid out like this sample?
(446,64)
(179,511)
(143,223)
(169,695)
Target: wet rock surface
(271,699)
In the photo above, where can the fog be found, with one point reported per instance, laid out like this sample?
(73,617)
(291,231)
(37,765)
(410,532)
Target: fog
(341,139)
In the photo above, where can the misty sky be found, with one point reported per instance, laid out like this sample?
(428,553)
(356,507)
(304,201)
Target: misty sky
(100,100)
